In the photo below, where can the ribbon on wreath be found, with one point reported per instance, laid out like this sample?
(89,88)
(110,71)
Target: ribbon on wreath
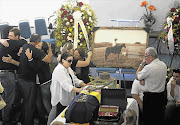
(170,36)
(78,20)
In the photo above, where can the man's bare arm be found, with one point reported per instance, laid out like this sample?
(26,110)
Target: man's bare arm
(10,60)
(49,57)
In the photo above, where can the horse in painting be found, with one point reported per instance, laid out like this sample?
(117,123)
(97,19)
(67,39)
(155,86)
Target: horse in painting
(115,49)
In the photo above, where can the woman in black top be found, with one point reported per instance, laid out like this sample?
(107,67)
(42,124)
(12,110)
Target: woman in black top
(43,89)
(81,72)
(68,47)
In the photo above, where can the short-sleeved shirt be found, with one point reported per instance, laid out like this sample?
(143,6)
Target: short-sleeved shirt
(13,49)
(26,72)
(42,69)
(137,89)
(176,92)
(154,75)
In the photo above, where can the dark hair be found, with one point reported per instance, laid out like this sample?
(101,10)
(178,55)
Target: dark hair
(45,47)
(176,70)
(16,31)
(81,51)
(65,56)
(36,38)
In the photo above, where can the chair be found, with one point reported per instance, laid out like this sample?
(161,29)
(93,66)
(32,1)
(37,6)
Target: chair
(2,26)
(25,29)
(41,29)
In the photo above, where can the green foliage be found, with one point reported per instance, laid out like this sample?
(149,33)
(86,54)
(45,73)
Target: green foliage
(65,23)
(174,17)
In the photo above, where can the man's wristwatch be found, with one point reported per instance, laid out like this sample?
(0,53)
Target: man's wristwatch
(141,65)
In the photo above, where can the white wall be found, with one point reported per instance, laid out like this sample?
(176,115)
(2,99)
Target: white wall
(14,10)
(129,10)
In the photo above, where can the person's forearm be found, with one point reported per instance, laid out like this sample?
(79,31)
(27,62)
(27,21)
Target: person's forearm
(138,70)
(50,54)
(78,90)
(14,62)
(83,63)
(136,97)
(82,84)
(172,92)
(88,59)
(49,57)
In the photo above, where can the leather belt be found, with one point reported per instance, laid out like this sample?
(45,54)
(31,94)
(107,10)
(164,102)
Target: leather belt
(5,71)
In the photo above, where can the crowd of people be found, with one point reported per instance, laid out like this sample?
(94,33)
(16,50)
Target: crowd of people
(30,88)
(158,101)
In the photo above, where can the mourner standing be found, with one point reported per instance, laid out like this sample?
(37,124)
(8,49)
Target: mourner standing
(9,47)
(64,86)
(154,76)
(27,76)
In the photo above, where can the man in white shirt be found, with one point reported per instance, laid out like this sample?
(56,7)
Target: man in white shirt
(154,75)
(173,96)
(137,94)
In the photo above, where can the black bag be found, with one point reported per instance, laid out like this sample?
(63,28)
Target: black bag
(113,97)
(82,109)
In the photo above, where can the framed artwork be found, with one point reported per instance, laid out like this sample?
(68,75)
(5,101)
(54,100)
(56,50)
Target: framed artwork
(120,47)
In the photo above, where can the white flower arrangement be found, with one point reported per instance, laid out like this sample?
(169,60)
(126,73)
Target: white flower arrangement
(65,22)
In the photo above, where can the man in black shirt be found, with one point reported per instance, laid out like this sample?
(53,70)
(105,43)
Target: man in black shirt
(8,47)
(27,76)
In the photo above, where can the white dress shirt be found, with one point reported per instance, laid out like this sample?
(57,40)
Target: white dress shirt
(176,92)
(62,85)
(154,75)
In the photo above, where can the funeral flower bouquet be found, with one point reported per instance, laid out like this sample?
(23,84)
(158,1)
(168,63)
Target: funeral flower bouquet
(172,26)
(65,23)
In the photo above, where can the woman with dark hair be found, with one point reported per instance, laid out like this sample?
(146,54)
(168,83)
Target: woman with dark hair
(43,88)
(63,87)
(68,47)
(81,72)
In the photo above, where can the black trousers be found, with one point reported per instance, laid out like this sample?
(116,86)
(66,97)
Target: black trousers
(172,112)
(60,108)
(7,80)
(153,108)
(28,91)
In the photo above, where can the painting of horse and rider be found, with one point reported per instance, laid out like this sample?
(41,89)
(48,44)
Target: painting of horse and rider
(119,47)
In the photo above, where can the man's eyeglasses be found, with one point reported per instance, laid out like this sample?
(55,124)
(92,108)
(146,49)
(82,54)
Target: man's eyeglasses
(69,61)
